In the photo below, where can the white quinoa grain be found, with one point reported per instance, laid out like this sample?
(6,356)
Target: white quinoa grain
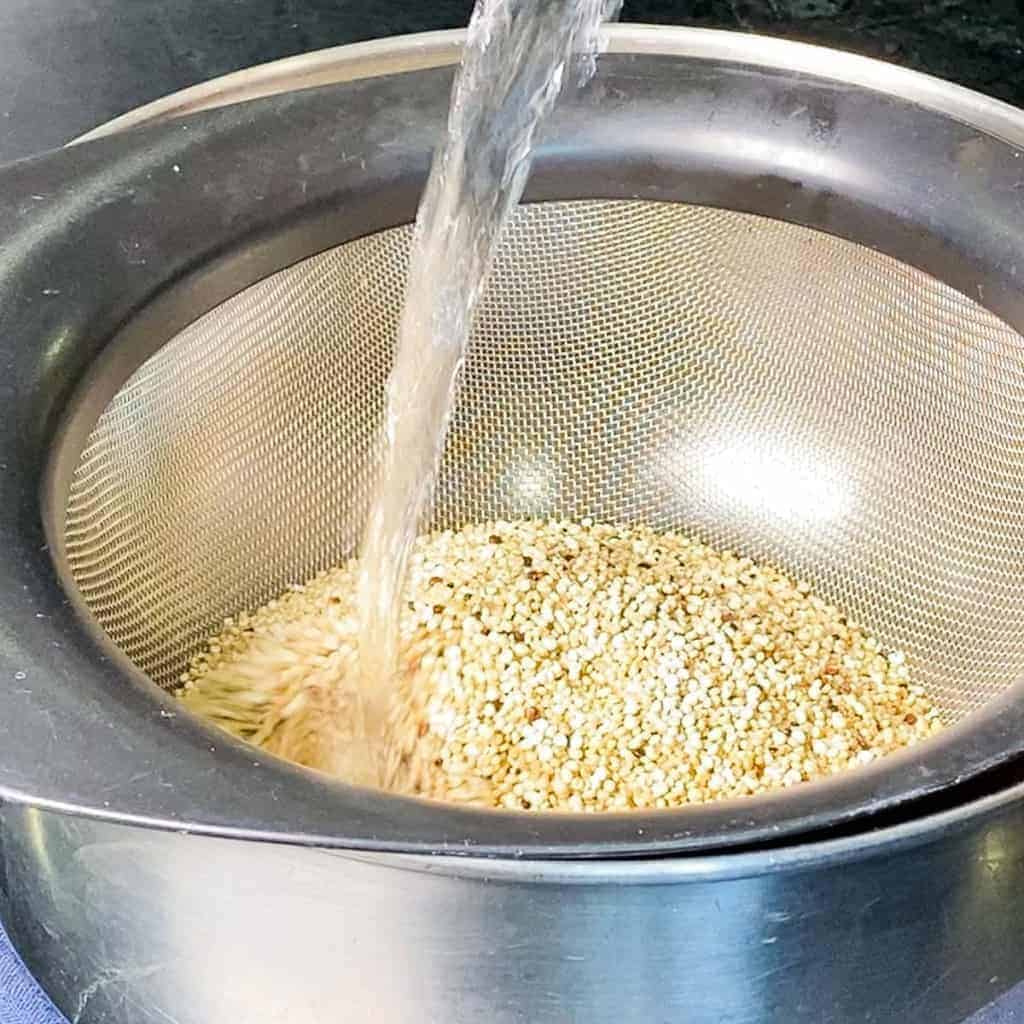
(573,666)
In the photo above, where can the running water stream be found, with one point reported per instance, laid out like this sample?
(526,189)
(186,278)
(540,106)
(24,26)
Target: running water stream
(518,56)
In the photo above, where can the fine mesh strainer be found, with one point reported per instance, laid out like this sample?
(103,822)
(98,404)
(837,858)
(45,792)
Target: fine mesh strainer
(784,392)
(760,293)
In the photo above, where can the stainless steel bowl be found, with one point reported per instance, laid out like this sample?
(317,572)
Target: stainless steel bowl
(762,290)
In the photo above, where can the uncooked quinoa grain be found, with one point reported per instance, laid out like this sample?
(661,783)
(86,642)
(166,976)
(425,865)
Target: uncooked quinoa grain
(574,666)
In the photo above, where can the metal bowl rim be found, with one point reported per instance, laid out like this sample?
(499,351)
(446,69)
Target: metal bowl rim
(422,50)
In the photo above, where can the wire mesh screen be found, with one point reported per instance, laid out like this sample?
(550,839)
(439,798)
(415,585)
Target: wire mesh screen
(772,389)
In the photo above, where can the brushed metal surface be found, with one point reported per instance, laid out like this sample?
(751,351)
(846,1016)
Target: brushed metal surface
(144,927)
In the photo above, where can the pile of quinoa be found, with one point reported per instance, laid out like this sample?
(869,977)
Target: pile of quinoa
(572,666)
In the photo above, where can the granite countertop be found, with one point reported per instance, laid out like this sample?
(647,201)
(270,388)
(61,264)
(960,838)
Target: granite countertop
(71,64)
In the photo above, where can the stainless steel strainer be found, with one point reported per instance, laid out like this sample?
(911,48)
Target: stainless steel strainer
(762,292)
(766,292)
(783,392)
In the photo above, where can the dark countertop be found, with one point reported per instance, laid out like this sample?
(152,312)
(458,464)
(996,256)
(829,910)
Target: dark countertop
(71,64)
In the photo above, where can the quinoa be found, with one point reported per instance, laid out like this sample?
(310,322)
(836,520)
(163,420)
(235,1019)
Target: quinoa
(572,666)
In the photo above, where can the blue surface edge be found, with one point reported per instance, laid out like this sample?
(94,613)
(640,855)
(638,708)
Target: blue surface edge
(22,1001)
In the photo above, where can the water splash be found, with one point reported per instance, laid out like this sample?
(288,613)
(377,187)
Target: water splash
(518,56)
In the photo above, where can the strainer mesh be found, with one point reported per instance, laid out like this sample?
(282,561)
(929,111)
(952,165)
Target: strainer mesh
(774,389)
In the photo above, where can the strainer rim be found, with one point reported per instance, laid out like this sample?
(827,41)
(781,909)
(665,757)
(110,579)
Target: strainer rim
(425,50)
